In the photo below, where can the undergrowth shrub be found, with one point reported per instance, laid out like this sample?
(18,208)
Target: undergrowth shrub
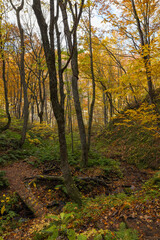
(109,166)
(122,233)
(145,116)
(13,155)
(3,180)
(58,228)
(152,187)
(135,135)
(8,204)
(40,132)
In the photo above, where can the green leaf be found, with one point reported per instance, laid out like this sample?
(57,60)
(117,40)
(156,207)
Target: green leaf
(62,215)
(81,237)
(54,235)
(98,237)
(71,234)
(51,229)
(56,218)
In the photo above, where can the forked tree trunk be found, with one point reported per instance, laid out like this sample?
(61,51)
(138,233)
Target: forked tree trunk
(57,105)
(71,37)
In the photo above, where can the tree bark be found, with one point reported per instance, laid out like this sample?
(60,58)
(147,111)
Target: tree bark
(4,80)
(145,43)
(57,105)
(74,65)
(93,83)
(105,110)
(22,72)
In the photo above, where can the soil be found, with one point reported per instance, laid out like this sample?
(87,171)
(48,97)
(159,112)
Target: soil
(143,217)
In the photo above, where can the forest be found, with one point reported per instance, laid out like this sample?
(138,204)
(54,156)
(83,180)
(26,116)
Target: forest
(79,119)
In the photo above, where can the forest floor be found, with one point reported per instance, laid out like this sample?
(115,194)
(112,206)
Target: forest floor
(144,216)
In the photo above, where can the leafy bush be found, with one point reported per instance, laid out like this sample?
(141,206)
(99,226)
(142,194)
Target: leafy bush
(39,132)
(108,165)
(133,135)
(7,211)
(139,129)
(3,180)
(58,227)
(14,155)
(74,158)
(152,187)
(145,116)
(122,233)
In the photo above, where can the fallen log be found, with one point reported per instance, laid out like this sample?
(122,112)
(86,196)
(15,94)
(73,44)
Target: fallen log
(35,206)
(47,177)
(77,179)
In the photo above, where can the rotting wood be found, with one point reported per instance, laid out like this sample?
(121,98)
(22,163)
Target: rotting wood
(60,178)
(31,201)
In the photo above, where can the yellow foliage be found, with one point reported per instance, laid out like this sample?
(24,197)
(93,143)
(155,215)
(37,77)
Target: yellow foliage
(145,116)
(3,209)
(39,132)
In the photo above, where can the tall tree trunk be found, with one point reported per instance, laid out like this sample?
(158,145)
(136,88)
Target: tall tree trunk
(4,80)
(93,83)
(82,131)
(32,112)
(22,72)
(19,100)
(74,65)
(145,43)
(70,126)
(57,105)
(105,110)
(46,111)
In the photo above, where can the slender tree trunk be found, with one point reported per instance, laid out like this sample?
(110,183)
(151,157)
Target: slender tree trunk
(32,112)
(22,72)
(46,111)
(19,101)
(145,43)
(105,110)
(93,83)
(70,127)
(82,131)
(25,95)
(74,65)
(4,80)
(147,64)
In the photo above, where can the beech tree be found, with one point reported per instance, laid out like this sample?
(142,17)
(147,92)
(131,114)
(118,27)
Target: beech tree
(48,40)
(136,22)
(22,70)
(3,61)
(35,63)
(88,35)
(71,36)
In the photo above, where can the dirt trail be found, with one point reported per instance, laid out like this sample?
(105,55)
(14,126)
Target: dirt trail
(16,173)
